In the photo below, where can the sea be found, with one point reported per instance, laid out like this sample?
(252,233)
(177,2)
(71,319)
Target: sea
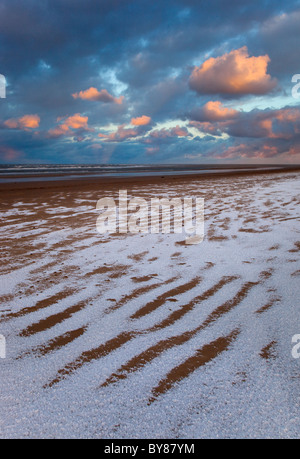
(52,172)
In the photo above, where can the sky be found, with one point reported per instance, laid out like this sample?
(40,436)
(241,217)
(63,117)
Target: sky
(142,82)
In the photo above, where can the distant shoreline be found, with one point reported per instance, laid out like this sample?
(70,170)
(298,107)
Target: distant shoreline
(61,181)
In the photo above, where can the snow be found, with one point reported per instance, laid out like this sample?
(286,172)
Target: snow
(251,226)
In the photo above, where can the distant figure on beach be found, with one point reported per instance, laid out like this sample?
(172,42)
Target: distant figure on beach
(2,87)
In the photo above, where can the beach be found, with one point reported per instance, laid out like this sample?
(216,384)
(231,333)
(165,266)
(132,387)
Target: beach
(142,335)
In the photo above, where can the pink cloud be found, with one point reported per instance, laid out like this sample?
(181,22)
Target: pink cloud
(26,122)
(208,127)
(294,151)
(233,73)
(120,135)
(9,154)
(152,150)
(288,115)
(100,96)
(249,151)
(96,146)
(214,111)
(141,121)
(74,122)
(177,131)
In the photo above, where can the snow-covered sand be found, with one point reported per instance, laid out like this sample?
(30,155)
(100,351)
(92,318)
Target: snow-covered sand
(142,336)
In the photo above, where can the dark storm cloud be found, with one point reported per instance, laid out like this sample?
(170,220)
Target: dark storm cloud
(280,37)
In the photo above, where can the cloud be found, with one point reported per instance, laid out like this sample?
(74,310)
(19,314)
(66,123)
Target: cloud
(150,62)
(280,35)
(178,131)
(75,122)
(158,99)
(26,122)
(9,154)
(141,121)
(152,150)
(249,151)
(294,151)
(99,96)
(288,115)
(164,133)
(120,135)
(234,73)
(213,111)
(208,127)
(277,124)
